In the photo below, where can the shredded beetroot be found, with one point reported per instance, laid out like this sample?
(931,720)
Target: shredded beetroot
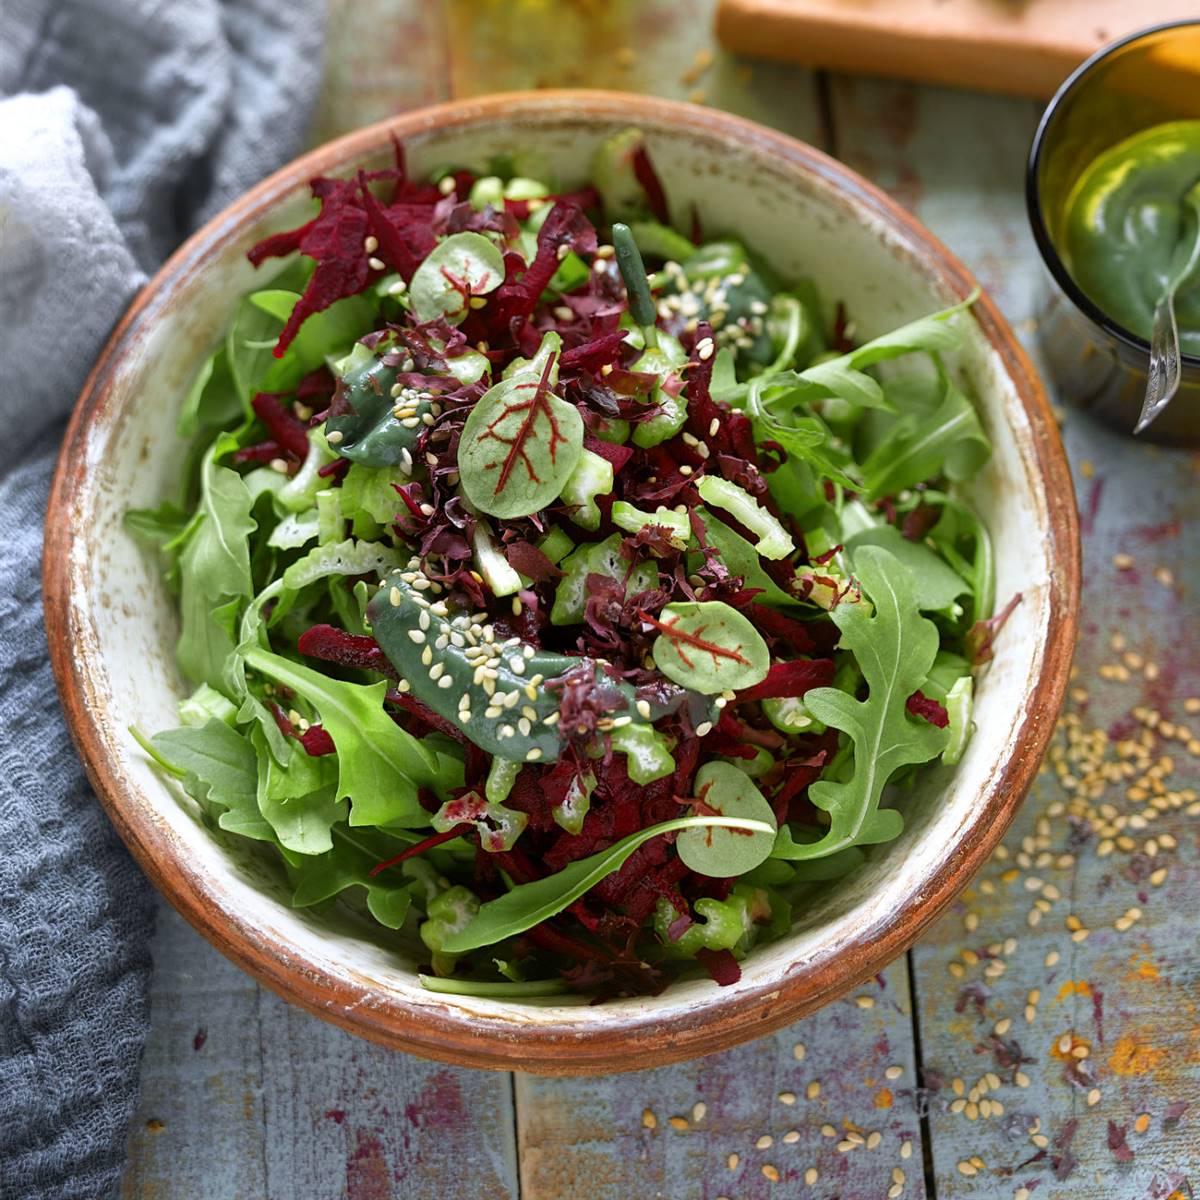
(515,299)
(345,649)
(647,176)
(599,352)
(335,240)
(317,742)
(435,839)
(924,706)
(284,426)
(260,452)
(721,965)
(529,560)
(982,634)
(617,455)
(799,633)
(337,468)
(792,678)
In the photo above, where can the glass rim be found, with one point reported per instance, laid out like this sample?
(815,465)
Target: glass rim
(1033,203)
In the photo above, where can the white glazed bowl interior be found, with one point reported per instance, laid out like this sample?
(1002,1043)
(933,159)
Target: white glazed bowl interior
(125,626)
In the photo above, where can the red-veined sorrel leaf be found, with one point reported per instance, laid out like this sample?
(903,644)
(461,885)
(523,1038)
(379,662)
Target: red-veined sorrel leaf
(521,442)
(463,266)
(718,851)
(708,647)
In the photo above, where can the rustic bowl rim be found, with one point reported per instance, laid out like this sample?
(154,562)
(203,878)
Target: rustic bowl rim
(638,1041)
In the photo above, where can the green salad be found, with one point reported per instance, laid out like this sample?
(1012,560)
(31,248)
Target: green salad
(560,591)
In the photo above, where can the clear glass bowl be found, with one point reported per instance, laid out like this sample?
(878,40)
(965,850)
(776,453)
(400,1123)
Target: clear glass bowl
(1143,80)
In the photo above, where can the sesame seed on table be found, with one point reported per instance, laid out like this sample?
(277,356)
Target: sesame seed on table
(1042,1042)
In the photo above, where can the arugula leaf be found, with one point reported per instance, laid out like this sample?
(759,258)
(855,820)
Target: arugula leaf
(217,755)
(807,438)
(380,766)
(520,443)
(219,768)
(931,334)
(920,445)
(894,649)
(214,570)
(938,584)
(297,799)
(529,904)
(814,870)
(212,402)
(499,989)
(722,852)
(253,633)
(325,335)
(348,864)
(458,268)
(708,647)
(958,521)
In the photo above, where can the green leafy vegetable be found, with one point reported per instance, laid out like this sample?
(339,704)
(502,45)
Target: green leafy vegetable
(718,851)
(380,766)
(938,585)
(297,799)
(348,864)
(521,443)
(214,570)
(530,904)
(708,647)
(895,649)
(458,269)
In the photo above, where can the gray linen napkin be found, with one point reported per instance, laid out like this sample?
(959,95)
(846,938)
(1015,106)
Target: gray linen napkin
(123,123)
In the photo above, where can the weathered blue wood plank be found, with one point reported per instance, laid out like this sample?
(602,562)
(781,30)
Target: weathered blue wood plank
(1075,952)
(825,1108)
(246,1097)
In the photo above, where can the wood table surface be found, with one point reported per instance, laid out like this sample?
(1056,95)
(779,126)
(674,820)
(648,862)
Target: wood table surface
(1043,1041)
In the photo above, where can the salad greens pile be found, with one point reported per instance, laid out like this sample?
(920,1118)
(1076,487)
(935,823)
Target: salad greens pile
(565,618)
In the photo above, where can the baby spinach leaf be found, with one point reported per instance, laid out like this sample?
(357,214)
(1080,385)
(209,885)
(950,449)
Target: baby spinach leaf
(521,443)
(380,766)
(719,851)
(708,646)
(529,904)
(462,266)
(894,649)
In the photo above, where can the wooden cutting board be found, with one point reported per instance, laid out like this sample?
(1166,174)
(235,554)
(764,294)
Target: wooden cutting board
(1026,47)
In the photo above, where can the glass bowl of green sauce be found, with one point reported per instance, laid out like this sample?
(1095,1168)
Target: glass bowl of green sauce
(1113,160)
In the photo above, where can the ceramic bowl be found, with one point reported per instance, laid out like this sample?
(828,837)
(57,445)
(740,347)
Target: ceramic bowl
(112,625)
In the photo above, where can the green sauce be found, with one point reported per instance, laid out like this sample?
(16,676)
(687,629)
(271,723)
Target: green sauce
(1128,228)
